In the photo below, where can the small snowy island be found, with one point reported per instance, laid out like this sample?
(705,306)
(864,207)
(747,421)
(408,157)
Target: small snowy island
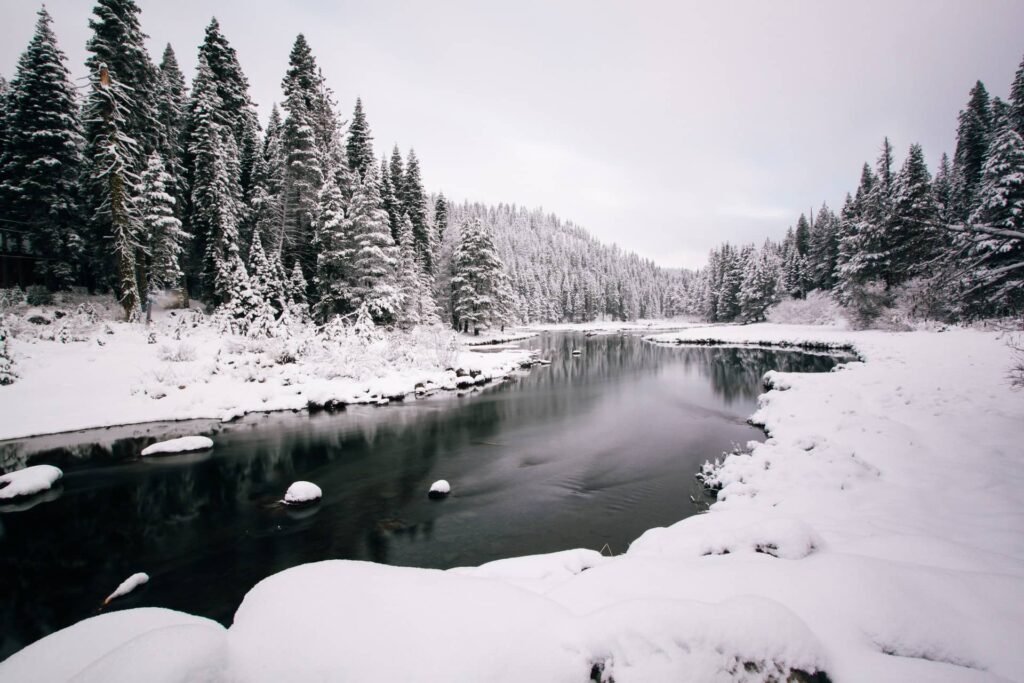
(28,481)
(302,493)
(184,444)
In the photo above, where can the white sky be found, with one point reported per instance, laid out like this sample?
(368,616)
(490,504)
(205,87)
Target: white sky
(666,127)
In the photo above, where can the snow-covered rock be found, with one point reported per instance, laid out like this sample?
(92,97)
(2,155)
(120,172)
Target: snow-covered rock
(28,481)
(439,489)
(302,492)
(127,586)
(182,444)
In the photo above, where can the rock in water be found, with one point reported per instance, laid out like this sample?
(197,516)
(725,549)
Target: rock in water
(439,489)
(180,445)
(28,481)
(302,492)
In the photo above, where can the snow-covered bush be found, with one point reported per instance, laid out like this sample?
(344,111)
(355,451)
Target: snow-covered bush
(9,298)
(818,308)
(37,295)
(924,299)
(868,302)
(7,374)
(177,353)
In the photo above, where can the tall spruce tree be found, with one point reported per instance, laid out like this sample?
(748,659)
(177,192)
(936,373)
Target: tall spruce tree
(391,202)
(39,164)
(112,178)
(172,110)
(824,249)
(335,247)
(972,140)
(303,179)
(414,203)
(359,147)
(1017,100)
(477,273)
(164,238)
(440,217)
(375,256)
(913,234)
(996,230)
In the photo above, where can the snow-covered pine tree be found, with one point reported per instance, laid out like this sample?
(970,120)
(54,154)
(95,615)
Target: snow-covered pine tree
(802,235)
(268,294)
(376,256)
(476,278)
(418,306)
(163,235)
(236,110)
(112,177)
(359,147)
(942,188)
(172,108)
(297,286)
(335,252)
(995,233)
(972,140)
(874,248)
(914,239)
(758,289)
(440,217)
(216,195)
(7,373)
(1017,100)
(390,200)
(397,173)
(414,203)
(302,181)
(824,249)
(304,80)
(266,201)
(39,165)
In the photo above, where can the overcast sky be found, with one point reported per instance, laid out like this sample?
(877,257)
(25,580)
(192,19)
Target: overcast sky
(665,127)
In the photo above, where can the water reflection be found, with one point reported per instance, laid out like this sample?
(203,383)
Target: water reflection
(589,450)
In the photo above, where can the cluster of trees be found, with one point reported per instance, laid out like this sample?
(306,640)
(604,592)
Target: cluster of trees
(557,272)
(947,247)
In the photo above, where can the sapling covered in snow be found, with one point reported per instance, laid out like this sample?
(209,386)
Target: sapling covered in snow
(127,586)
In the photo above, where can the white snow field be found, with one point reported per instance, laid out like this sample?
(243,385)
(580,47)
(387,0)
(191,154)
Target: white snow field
(183,444)
(79,372)
(28,481)
(877,535)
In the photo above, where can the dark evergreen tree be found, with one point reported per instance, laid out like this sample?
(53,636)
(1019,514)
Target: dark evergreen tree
(335,252)
(803,235)
(303,178)
(414,204)
(172,109)
(913,235)
(942,187)
(359,147)
(391,203)
(440,217)
(972,139)
(397,173)
(112,179)
(163,236)
(823,253)
(39,165)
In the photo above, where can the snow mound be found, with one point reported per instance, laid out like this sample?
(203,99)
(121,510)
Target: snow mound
(118,646)
(440,489)
(127,586)
(182,444)
(726,532)
(302,492)
(28,481)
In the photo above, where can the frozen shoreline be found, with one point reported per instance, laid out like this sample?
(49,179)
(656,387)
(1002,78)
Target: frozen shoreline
(876,535)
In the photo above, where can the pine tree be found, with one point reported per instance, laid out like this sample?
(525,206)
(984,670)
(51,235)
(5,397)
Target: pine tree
(39,165)
(874,257)
(397,174)
(335,252)
(824,249)
(359,147)
(972,139)
(477,273)
(375,257)
(171,108)
(414,203)
(297,287)
(1017,100)
(996,230)
(302,181)
(391,203)
(304,81)
(942,187)
(803,235)
(236,110)
(913,237)
(112,177)
(758,288)
(266,203)
(440,217)
(163,235)
(7,373)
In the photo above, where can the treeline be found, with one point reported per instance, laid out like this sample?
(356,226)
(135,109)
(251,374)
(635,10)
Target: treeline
(146,184)
(947,247)
(558,272)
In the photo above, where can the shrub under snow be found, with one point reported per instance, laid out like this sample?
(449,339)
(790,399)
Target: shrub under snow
(819,308)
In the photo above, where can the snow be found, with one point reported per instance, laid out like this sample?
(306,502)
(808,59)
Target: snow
(182,444)
(28,481)
(127,586)
(875,535)
(194,371)
(302,492)
(440,486)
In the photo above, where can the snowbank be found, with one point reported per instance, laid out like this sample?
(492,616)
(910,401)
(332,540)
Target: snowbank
(182,444)
(182,367)
(28,481)
(302,492)
(876,536)
(440,488)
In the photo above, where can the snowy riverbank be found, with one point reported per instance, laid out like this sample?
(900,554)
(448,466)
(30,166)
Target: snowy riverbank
(77,370)
(875,536)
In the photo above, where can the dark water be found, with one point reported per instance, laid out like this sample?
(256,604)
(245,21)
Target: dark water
(586,452)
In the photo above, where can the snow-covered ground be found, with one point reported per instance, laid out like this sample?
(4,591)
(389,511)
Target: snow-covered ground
(79,371)
(878,535)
